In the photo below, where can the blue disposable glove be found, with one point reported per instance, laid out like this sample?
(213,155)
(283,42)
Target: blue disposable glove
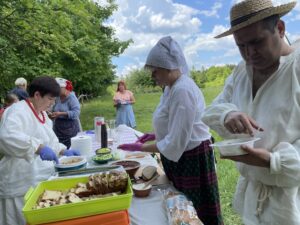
(47,153)
(90,132)
(71,152)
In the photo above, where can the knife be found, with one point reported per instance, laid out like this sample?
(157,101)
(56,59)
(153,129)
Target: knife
(86,171)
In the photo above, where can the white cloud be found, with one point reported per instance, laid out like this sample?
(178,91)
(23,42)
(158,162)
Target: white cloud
(128,68)
(213,12)
(293,37)
(146,21)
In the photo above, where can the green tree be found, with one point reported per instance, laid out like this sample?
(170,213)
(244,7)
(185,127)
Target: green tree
(199,76)
(139,80)
(59,38)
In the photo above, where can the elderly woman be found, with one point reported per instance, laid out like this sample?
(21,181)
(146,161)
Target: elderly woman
(20,89)
(181,137)
(27,138)
(66,113)
(123,100)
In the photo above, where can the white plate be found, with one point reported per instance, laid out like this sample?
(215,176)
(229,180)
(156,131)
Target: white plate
(232,147)
(65,159)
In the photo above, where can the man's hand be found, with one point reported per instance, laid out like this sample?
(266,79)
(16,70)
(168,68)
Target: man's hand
(239,122)
(255,157)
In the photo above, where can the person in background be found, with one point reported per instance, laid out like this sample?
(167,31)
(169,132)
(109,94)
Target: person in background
(28,146)
(8,101)
(20,89)
(123,100)
(261,98)
(182,139)
(66,112)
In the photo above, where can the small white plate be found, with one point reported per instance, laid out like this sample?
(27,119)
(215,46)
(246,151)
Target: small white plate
(71,162)
(232,147)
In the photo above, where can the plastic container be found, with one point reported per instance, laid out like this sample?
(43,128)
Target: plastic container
(71,210)
(113,218)
(98,121)
(232,147)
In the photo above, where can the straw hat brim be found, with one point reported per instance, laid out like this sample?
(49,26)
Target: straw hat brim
(277,10)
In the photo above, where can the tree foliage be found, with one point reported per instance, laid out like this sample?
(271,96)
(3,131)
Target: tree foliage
(140,80)
(59,38)
(213,76)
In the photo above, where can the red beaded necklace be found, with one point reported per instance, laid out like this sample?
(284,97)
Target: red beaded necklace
(35,113)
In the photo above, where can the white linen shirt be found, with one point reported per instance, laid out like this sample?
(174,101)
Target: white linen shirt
(276,108)
(177,119)
(20,136)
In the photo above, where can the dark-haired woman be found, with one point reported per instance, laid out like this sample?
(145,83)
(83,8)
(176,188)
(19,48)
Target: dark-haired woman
(27,145)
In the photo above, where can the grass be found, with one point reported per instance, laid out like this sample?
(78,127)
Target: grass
(143,108)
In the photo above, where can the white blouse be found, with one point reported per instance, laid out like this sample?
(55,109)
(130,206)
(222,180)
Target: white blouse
(177,119)
(273,191)
(20,136)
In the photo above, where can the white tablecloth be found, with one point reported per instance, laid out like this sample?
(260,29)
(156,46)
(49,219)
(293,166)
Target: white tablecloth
(143,211)
(149,210)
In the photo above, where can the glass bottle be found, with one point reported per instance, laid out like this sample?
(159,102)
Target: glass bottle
(103,136)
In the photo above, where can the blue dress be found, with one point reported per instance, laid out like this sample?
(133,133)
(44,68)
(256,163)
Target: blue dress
(125,115)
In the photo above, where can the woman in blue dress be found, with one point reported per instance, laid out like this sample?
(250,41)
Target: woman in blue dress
(123,100)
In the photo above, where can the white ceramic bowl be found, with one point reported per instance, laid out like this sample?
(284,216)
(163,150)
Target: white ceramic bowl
(70,163)
(232,147)
(141,192)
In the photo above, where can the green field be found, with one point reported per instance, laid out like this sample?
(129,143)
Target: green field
(144,107)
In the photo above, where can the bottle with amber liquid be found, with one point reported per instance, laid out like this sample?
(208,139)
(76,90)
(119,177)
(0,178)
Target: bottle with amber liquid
(103,136)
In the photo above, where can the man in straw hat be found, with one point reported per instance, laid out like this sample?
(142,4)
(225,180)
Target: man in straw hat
(261,99)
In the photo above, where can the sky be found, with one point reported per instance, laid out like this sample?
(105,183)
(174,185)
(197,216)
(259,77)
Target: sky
(192,23)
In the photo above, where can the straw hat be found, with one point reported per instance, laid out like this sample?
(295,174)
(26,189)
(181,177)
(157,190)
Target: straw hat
(251,11)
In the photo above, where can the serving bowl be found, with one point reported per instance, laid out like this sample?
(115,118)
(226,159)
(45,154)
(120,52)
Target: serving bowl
(103,158)
(130,166)
(141,192)
(232,147)
(70,163)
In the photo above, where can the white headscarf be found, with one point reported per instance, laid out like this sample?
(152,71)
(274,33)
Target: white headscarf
(167,54)
(61,81)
